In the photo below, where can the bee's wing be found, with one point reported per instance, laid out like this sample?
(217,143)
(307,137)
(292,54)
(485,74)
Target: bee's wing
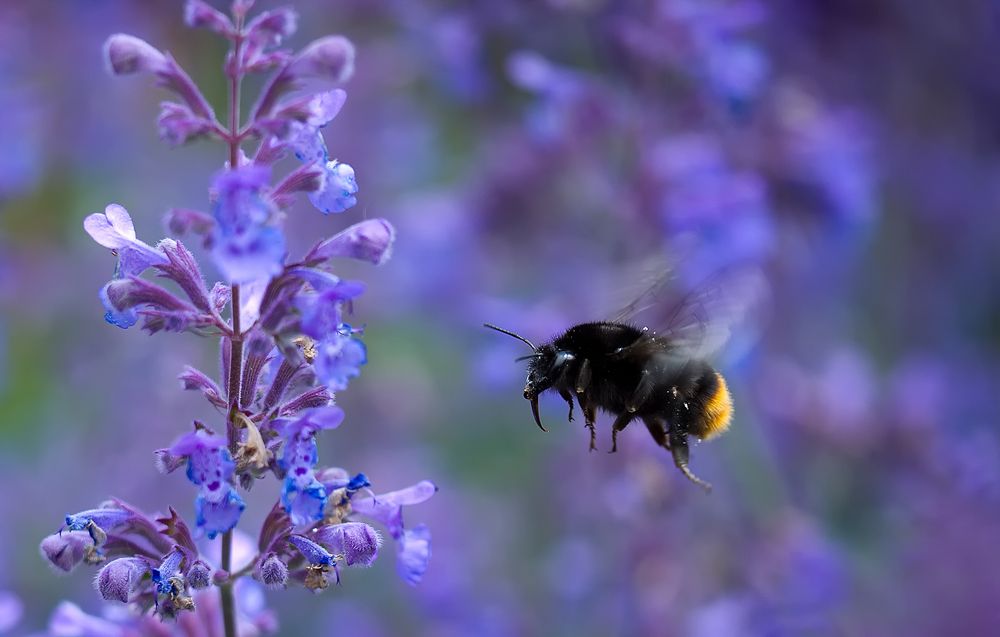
(700,320)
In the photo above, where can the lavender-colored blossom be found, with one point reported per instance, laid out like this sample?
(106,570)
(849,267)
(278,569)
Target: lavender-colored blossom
(127,54)
(246,245)
(64,551)
(356,541)
(339,358)
(369,241)
(330,58)
(199,14)
(304,497)
(272,572)
(413,552)
(388,507)
(164,575)
(338,189)
(119,579)
(209,464)
(199,575)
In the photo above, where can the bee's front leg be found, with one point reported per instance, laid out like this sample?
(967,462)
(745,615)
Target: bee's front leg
(589,417)
(568,397)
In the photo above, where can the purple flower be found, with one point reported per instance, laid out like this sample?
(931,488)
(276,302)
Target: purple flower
(304,503)
(198,13)
(339,358)
(320,561)
(304,497)
(113,229)
(271,571)
(126,54)
(199,575)
(246,245)
(210,466)
(412,545)
(330,58)
(178,124)
(321,311)
(388,507)
(69,619)
(65,550)
(369,240)
(119,580)
(413,552)
(338,189)
(356,541)
(168,569)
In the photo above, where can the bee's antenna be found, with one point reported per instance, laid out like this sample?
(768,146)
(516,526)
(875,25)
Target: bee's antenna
(524,358)
(509,333)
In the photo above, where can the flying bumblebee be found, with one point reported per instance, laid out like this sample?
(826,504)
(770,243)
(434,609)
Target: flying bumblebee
(661,377)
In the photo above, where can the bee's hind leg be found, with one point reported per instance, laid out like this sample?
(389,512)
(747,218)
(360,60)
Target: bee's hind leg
(589,417)
(568,397)
(679,450)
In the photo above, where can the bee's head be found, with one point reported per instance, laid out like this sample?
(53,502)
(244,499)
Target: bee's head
(544,366)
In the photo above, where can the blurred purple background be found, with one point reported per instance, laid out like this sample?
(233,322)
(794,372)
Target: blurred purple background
(530,155)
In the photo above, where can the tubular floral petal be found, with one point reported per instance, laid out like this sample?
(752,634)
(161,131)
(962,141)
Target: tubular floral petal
(388,508)
(356,541)
(413,551)
(339,358)
(198,13)
(271,571)
(338,189)
(245,245)
(330,58)
(64,551)
(304,504)
(209,464)
(119,579)
(218,517)
(313,552)
(369,240)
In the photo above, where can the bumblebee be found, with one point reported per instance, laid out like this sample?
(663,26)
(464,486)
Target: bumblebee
(633,373)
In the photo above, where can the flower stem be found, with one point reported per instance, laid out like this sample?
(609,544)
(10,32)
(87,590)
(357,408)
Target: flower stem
(236,351)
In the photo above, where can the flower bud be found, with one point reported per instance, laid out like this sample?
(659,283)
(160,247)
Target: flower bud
(336,193)
(177,124)
(370,240)
(65,550)
(119,579)
(199,575)
(198,13)
(356,541)
(126,54)
(272,572)
(330,58)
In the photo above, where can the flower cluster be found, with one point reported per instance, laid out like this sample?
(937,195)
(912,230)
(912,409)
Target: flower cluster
(286,345)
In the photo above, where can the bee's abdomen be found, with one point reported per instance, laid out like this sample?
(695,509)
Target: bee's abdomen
(716,407)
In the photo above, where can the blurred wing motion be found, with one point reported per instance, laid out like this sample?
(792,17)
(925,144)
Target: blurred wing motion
(699,320)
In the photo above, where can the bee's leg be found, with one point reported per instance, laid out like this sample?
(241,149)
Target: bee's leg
(679,450)
(583,377)
(621,422)
(642,392)
(589,417)
(568,397)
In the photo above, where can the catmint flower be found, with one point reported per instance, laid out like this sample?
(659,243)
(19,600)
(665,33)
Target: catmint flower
(321,311)
(369,240)
(330,58)
(97,522)
(339,358)
(113,229)
(126,54)
(356,541)
(177,124)
(303,496)
(412,545)
(119,580)
(198,13)
(413,552)
(271,571)
(338,189)
(218,507)
(199,576)
(64,551)
(246,245)
(320,561)
(167,576)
